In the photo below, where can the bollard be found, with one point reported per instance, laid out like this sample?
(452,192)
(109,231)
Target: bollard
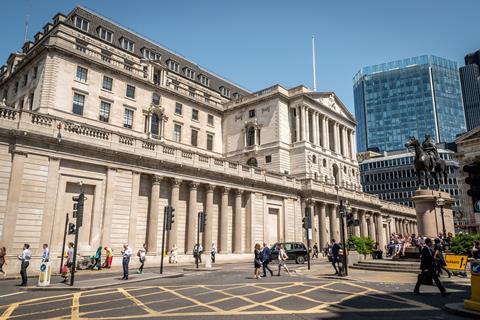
(474,302)
(45,273)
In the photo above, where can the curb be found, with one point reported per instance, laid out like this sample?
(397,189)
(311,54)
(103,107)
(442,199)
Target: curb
(86,288)
(202,269)
(458,308)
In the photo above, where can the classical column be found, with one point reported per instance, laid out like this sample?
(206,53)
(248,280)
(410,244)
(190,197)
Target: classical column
(108,204)
(363,221)
(379,234)
(152,226)
(192,217)
(297,125)
(132,223)
(237,228)
(48,226)
(174,196)
(207,235)
(315,128)
(322,225)
(224,221)
(334,223)
(325,137)
(250,221)
(371,225)
(345,142)
(304,132)
(307,124)
(310,204)
(337,137)
(356,229)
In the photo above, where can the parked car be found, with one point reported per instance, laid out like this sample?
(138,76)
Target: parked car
(296,251)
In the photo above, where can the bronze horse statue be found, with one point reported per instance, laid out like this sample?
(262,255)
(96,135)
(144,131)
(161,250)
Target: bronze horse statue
(426,163)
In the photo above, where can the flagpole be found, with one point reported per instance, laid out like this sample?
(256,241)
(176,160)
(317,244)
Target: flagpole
(314,66)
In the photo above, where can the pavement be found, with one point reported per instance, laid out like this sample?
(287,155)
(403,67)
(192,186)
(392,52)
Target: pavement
(233,292)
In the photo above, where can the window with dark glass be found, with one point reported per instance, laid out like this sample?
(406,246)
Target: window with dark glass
(251,113)
(210,119)
(82,74)
(130,91)
(127,44)
(78,103)
(178,108)
(30,101)
(177,133)
(105,34)
(204,80)
(81,23)
(268,159)
(195,114)
(194,138)
(174,66)
(25,80)
(16,87)
(209,142)
(35,72)
(155,125)
(250,136)
(107,83)
(156,99)
(104,111)
(128,118)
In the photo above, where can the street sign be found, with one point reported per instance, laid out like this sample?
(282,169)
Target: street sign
(456,262)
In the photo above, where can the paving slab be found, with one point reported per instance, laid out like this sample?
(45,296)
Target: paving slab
(459,309)
(81,285)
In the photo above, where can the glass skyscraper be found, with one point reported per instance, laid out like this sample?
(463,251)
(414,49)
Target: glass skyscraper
(409,97)
(470,79)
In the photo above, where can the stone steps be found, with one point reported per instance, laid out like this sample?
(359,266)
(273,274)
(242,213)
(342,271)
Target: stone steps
(387,265)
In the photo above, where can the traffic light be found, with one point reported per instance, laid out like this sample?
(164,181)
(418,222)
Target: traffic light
(71,228)
(473,180)
(350,220)
(307,220)
(201,221)
(78,204)
(170,215)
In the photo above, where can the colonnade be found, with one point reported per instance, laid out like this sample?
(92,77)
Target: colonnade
(319,129)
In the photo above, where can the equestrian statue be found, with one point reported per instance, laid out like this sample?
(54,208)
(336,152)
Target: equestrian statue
(427,160)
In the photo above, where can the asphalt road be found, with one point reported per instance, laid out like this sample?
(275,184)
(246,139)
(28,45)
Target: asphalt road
(232,292)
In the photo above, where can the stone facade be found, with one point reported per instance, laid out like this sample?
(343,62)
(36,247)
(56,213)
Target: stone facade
(143,153)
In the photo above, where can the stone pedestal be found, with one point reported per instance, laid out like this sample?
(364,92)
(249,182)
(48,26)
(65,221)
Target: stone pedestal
(429,217)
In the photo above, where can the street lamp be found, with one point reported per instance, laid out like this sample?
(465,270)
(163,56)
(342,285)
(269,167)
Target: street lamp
(441,203)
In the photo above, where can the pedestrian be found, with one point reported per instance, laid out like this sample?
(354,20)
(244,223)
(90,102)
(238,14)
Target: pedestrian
(257,262)
(172,258)
(282,260)
(69,263)
(141,257)
(428,269)
(46,253)
(335,256)
(3,260)
(315,251)
(213,252)
(440,262)
(25,259)
(266,260)
(97,260)
(475,249)
(126,254)
(197,252)
(108,257)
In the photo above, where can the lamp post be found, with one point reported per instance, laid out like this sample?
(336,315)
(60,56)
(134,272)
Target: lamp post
(441,203)
(343,209)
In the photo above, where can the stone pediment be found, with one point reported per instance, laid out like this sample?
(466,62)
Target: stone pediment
(331,101)
(468,136)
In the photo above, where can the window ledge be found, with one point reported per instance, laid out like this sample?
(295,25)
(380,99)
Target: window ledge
(82,82)
(131,99)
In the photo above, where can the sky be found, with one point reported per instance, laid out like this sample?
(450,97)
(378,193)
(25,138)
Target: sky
(259,43)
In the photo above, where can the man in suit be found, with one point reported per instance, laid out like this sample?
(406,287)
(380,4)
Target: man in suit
(427,269)
(335,255)
(266,260)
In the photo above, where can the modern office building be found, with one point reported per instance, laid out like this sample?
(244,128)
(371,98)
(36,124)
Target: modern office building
(141,127)
(391,176)
(470,79)
(409,97)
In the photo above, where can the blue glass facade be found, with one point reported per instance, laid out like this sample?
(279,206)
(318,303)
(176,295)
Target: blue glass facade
(414,96)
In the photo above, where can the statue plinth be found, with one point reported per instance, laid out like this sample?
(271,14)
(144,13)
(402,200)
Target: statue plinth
(429,214)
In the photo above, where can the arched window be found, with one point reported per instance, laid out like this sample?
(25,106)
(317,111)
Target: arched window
(155,125)
(252,162)
(250,136)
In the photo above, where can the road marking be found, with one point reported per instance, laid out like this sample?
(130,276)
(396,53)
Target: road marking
(9,311)
(198,303)
(11,294)
(136,301)
(76,305)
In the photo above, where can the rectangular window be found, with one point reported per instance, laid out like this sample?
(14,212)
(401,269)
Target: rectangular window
(150,55)
(204,80)
(30,101)
(104,111)
(194,139)
(82,74)
(156,99)
(177,133)
(130,91)
(189,73)
(174,66)
(210,119)
(20,104)
(105,34)
(25,80)
(251,113)
(127,44)
(107,83)
(35,72)
(16,87)
(209,142)
(268,159)
(81,23)
(225,92)
(195,114)
(5,94)
(178,108)
(128,119)
(78,103)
